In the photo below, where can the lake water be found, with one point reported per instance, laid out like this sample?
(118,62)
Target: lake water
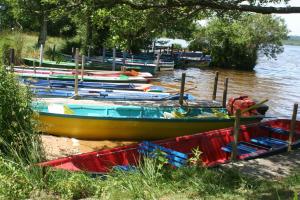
(276,80)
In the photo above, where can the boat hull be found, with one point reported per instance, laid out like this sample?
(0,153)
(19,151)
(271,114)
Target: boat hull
(129,129)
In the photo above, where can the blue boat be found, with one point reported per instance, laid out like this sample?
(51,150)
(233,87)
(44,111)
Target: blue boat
(110,95)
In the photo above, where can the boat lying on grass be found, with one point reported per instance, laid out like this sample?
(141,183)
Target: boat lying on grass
(89,73)
(35,82)
(105,94)
(100,78)
(255,140)
(131,122)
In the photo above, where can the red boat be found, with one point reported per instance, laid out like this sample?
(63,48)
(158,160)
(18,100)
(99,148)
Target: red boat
(255,140)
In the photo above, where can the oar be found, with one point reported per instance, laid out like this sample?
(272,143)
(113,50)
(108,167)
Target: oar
(254,106)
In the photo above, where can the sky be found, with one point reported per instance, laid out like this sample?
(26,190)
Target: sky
(292,20)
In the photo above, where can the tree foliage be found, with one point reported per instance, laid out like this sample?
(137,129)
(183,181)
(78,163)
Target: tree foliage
(235,43)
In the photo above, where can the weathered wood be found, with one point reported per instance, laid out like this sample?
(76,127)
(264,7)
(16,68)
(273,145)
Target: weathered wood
(103,53)
(89,52)
(225,92)
(53,53)
(236,131)
(293,127)
(41,54)
(76,72)
(182,88)
(124,58)
(73,52)
(215,86)
(114,60)
(12,59)
(157,61)
(82,66)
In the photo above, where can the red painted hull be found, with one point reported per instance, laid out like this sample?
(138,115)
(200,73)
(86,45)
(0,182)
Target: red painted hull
(209,143)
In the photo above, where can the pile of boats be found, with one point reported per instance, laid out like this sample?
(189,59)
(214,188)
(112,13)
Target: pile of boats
(188,127)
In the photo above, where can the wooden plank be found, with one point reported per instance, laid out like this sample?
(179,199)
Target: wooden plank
(293,127)
(236,131)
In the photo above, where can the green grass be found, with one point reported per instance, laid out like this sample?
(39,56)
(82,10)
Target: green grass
(25,44)
(19,182)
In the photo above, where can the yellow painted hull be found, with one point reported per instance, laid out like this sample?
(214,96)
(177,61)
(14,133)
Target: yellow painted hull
(118,129)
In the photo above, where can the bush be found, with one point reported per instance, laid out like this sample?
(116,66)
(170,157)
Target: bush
(19,139)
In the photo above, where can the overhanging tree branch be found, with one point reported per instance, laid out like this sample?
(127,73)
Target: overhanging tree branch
(203,4)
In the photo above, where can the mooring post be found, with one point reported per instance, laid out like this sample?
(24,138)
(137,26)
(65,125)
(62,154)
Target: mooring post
(53,53)
(157,61)
(103,53)
(114,59)
(11,59)
(225,92)
(76,73)
(293,127)
(236,131)
(82,66)
(182,89)
(73,53)
(124,58)
(214,96)
(41,54)
(89,52)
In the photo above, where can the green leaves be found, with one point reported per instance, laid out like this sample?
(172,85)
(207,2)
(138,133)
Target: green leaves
(234,43)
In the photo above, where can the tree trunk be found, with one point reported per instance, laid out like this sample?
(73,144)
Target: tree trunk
(89,33)
(43,30)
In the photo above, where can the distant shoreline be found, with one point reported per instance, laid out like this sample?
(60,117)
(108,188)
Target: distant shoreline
(293,40)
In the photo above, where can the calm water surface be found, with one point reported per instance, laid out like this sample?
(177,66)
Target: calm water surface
(276,80)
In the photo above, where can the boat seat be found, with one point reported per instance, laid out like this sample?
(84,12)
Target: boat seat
(269,142)
(279,131)
(242,148)
(152,150)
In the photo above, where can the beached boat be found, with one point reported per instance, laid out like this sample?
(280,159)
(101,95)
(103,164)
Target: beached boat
(120,78)
(255,140)
(35,82)
(89,73)
(131,122)
(107,65)
(104,94)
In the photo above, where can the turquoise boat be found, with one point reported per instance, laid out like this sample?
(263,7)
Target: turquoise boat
(131,122)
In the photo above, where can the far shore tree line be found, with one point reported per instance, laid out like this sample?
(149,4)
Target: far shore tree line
(233,38)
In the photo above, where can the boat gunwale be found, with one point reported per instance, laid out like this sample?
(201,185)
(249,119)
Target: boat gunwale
(205,119)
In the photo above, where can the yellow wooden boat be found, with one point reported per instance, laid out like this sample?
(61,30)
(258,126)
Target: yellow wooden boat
(130,122)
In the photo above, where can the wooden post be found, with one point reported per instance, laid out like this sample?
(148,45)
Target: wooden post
(53,53)
(76,72)
(215,86)
(114,59)
(41,54)
(236,131)
(103,53)
(293,127)
(182,89)
(82,66)
(124,58)
(73,52)
(157,61)
(11,59)
(225,92)
(89,52)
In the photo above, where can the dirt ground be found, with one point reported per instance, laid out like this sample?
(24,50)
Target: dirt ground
(56,147)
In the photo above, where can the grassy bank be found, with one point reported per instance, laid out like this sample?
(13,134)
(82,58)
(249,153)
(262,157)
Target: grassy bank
(19,182)
(25,44)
